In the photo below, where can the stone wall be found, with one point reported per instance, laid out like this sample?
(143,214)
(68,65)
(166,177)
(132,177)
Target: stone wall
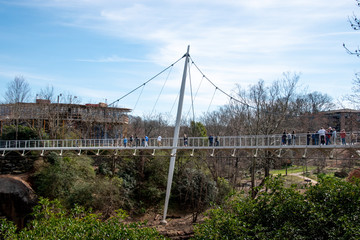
(15,163)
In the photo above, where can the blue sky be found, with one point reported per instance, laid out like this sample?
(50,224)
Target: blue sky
(99,50)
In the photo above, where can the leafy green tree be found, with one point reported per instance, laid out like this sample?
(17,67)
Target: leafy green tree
(329,210)
(22,133)
(198,129)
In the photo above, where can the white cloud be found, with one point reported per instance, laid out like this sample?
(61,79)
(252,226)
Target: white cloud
(237,41)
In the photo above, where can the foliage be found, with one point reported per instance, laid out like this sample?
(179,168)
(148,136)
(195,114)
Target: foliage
(194,190)
(224,190)
(328,210)
(58,179)
(72,180)
(23,133)
(198,129)
(52,221)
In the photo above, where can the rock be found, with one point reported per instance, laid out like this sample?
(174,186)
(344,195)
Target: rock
(17,199)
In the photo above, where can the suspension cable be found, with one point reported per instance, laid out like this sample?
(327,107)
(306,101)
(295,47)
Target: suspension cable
(217,88)
(146,81)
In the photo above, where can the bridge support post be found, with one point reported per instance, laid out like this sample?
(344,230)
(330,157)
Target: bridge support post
(176,138)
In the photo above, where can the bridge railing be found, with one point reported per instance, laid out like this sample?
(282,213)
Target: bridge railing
(219,141)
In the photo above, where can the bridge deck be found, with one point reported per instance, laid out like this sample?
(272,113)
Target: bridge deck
(301,141)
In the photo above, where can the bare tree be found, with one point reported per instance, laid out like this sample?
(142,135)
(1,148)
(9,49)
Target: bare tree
(47,93)
(355,97)
(17,91)
(355,24)
(264,109)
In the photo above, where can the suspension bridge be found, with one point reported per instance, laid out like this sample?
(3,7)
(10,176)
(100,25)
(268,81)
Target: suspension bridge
(233,144)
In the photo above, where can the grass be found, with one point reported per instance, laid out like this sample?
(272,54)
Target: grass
(292,169)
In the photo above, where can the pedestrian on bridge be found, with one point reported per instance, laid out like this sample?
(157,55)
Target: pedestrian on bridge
(131,139)
(211,140)
(308,137)
(159,141)
(293,137)
(322,133)
(343,137)
(185,140)
(289,137)
(283,138)
(146,141)
(334,135)
(125,141)
(137,141)
(217,143)
(353,138)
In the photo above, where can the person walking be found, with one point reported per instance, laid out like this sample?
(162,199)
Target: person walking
(146,141)
(289,137)
(125,141)
(217,142)
(333,135)
(308,137)
(185,140)
(293,137)
(283,138)
(137,141)
(131,139)
(353,138)
(317,136)
(159,141)
(321,133)
(211,140)
(343,137)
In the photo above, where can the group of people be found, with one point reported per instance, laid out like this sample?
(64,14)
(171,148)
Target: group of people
(136,141)
(288,138)
(211,141)
(321,137)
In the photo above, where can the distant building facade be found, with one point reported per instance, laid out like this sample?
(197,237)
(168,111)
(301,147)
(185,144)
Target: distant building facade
(60,120)
(348,119)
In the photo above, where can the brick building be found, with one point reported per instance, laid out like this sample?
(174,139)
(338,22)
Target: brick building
(59,120)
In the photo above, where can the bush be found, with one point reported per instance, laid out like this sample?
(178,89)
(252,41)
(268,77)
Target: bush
(328,210)
(72,180)
(23,133)
(57,180)
(52,221)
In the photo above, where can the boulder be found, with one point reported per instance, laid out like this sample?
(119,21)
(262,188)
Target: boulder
(17,199)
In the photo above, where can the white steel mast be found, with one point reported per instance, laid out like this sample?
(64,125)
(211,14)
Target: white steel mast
(176,138)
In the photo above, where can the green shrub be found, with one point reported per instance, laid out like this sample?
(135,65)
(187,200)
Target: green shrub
(21,133)
(57,180)
(328,210)
(51,221)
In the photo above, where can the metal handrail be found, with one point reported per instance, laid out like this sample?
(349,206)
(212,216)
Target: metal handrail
(275,140)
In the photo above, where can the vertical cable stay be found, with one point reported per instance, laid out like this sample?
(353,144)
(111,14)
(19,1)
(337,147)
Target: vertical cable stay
(139,97)
(177,96)
(211,100)
(152,111)
(191,94)
(197,90)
